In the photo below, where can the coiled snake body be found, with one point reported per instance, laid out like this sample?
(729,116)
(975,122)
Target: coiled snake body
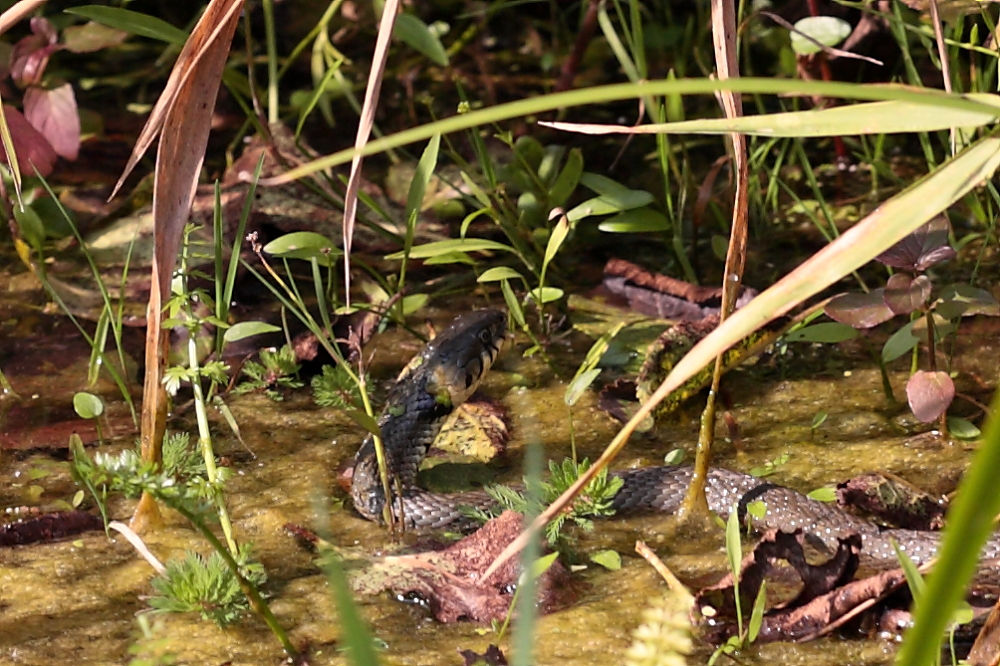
(450,369)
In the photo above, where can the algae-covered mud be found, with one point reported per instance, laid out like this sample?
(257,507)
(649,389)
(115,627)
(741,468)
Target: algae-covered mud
(75,601)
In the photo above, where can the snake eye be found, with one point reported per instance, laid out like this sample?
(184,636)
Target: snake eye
(484,336)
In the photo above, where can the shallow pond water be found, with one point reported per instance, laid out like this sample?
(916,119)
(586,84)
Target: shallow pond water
(74,602)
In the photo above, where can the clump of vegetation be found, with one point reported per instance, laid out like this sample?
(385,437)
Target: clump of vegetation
(336,388)
(195,584)
(593,502)
(277,370)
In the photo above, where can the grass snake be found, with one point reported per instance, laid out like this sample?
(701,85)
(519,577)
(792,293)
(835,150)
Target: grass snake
(450,369)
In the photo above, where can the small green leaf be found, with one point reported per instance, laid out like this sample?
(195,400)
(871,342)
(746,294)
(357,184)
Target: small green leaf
(31,226)
(559,233)
(512,303)
(609,559)
(542,564)
(827,30)
(639,220)
(824,494)
(136,23)
(422,176)
(546,294)
(304,245)
(826,332)
(365,421)
(963,428)
(568,179)
(757,509)
(498,273)
(88,405)
(450,258)
(819,419)
(246,329)
(452,245)
(734,549)
(757,614)
(579,385)
(674,457)
(901,342)
(417,35)
(414,302)
(77,499)
(915,581)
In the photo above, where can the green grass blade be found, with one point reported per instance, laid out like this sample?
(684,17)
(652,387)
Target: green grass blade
(970,522)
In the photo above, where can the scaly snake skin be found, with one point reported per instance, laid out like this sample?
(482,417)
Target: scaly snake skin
(450,369)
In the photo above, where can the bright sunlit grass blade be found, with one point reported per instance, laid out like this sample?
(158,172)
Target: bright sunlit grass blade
(932,99)
(875,118)
(970,522)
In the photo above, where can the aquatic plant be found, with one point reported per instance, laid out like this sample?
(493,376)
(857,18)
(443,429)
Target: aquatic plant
(277,370)
(195,584)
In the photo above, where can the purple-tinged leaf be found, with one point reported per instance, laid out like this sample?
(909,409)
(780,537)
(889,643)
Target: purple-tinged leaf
(929,394)
(34,153)
(962,300)
(43,29)
(926,246)
(54,114)
(904,294)
(31,53)
(28,64)
(860,310)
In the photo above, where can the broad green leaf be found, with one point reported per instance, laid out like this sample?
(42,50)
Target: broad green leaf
(245,329)
(87,405)
(606,205)
(824,494)
(422,176)
(559,233)
(30,225)
(136,23)
(304,245)
(414,302)
(542,564)
(638,220)
(450,258)
(532,152)
(499,273)
(609,559)
(365,421)
(827,30)
(828,332)
(757,615)
(891,117)
(604,186)
(963,428)
(550,162)
(513,304)
(580,384)
(915,581)
(899,343)
(417,35)
(452,245)
(568,179)
(546,294)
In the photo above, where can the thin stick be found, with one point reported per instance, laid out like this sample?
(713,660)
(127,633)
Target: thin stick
(364,131)
(668,576)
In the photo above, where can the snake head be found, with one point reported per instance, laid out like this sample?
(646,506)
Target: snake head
(460,356)
(366,489)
